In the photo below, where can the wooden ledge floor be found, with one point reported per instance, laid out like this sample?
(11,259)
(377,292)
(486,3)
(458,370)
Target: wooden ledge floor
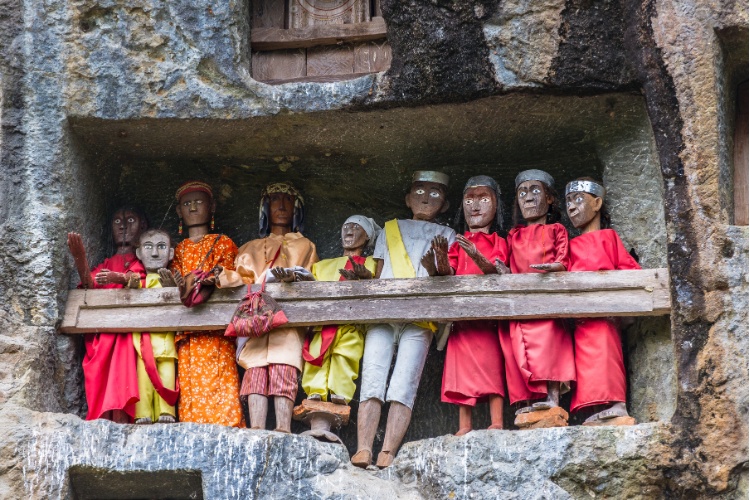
(441,299)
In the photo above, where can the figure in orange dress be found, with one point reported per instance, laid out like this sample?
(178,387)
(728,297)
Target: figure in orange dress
(207,372)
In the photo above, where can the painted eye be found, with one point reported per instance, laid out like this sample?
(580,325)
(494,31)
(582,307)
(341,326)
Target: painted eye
(434,194)
(131,220)
(579,199)
(199,202)
(148,246)
(522,194)
(161,246)
(469,202)
(485,200)
(419,191)
(117,221)
(536,190)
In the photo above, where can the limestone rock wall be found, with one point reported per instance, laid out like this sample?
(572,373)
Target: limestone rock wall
(97,95)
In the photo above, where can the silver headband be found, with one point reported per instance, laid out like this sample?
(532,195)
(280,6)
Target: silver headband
(430,176)
(585,187)
(534,175)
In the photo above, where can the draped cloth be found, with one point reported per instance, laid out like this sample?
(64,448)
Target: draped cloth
(542,350)
(474,364)
(333,352)
(600,369)
(207,373)
(109,363)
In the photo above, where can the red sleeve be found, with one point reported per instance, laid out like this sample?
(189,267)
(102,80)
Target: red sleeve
(501,250)
(623,258)
(562,254)
(453,255)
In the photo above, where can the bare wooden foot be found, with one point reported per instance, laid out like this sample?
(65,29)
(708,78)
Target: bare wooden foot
(496,412)
(399,417)
(368,418)
(616,410)
(338,400)
(464,420)
(315,397)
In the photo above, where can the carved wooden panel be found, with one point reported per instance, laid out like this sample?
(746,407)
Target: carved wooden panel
(268,13)
(331,60)
(372,57)
(305,13)
(279,64)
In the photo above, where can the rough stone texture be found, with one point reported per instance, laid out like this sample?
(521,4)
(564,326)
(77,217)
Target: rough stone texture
(105,101)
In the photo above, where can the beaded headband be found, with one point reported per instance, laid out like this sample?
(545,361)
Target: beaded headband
(585,187)
(191,187)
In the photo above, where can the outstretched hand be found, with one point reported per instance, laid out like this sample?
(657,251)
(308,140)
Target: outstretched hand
(166,278)
(440,247)
(501,267)
(428,262)
(554,267)
(283,275)
(107,277)
(480,260)
(358,272)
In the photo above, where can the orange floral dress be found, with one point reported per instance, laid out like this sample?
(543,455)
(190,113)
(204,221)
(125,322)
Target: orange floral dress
(209,383)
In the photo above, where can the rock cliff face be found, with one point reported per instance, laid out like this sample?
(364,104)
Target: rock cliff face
(103,102)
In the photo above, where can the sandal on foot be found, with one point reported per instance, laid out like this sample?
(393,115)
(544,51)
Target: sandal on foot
(363,459)
(315,397)
(166,419)
(143,421)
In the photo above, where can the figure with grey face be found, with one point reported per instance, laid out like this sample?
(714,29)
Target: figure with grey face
(398,254)
(157,355)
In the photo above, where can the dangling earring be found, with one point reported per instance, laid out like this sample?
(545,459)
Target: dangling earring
(179,229)
(212,222)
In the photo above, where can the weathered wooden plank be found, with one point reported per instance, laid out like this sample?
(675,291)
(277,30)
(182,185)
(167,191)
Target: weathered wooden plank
(330,34)
(337,60)
(315,79)
(619,293)
(280,64)
(372,57)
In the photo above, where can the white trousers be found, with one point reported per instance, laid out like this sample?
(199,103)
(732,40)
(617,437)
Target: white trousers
(411,343)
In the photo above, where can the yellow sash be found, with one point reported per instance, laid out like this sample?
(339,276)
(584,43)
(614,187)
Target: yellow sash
(400,260)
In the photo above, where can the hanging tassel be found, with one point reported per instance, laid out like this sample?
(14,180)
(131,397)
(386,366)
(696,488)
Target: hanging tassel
(179,229)
(212,222)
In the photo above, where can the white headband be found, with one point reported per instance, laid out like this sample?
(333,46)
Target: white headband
(369,225)
(585,187)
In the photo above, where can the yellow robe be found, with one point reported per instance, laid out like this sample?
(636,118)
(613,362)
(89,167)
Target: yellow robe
(340,365)
(151,405)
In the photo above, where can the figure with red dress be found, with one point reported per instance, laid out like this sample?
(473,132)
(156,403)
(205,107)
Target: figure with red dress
(600,369)
(539,352)
(109,363)
(474,368)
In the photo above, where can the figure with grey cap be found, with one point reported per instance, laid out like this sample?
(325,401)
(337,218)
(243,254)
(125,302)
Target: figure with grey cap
(332,352)
(474,370)
(600,369)
(541,349)
(398,254)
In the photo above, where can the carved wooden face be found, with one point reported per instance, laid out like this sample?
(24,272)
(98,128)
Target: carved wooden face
(426,200)
(195,208)
(480,207)
(582,208)
(533,200)
(281,206)
(353,237)
(126,228)
(155,250)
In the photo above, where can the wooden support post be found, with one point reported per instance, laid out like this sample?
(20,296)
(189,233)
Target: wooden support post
(442,299)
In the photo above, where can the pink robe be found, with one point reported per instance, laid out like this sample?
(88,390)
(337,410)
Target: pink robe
(474,367)
(600,370)
(541,350)
(109,365)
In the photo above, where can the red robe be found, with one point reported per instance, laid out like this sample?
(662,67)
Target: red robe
(109,365)
(542,349)
(600,371)
(474,367)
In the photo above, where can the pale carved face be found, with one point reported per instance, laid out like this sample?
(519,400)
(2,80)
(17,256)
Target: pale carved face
(353,237)
(155,250)
(126,228)
(426,200)
(582,208)
(195,208)
(533,200)
(480,207)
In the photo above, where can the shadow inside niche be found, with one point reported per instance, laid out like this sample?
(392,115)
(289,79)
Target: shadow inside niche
(89,483)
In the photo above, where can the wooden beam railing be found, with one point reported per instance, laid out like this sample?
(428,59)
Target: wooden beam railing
(448,298)
(330,34)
